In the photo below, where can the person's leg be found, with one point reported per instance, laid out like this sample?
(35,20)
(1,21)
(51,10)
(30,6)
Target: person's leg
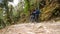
(37,17)
(32,18)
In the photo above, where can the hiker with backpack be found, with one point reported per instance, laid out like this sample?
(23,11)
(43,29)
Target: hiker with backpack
(35,15)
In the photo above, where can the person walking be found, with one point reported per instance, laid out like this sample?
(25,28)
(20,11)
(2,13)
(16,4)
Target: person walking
(37,12)
(32,16)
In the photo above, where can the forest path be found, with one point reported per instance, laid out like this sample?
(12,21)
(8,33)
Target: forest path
(33,28)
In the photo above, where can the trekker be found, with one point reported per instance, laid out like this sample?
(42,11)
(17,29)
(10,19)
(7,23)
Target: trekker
(37,12)
(33,16)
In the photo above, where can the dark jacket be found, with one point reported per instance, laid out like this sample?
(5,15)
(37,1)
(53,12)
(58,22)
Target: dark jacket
(37,12)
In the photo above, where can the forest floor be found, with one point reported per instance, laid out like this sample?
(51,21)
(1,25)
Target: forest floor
(49,27)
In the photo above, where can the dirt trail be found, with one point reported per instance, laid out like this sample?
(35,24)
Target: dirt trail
(33,28)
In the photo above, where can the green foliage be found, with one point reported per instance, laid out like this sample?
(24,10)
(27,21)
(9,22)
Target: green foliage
(26,9)
(2,24)
(1,13)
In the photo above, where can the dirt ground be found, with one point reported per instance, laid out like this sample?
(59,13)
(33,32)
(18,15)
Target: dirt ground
(33,28)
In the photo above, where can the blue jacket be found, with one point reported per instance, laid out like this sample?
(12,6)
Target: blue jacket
(37,12)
